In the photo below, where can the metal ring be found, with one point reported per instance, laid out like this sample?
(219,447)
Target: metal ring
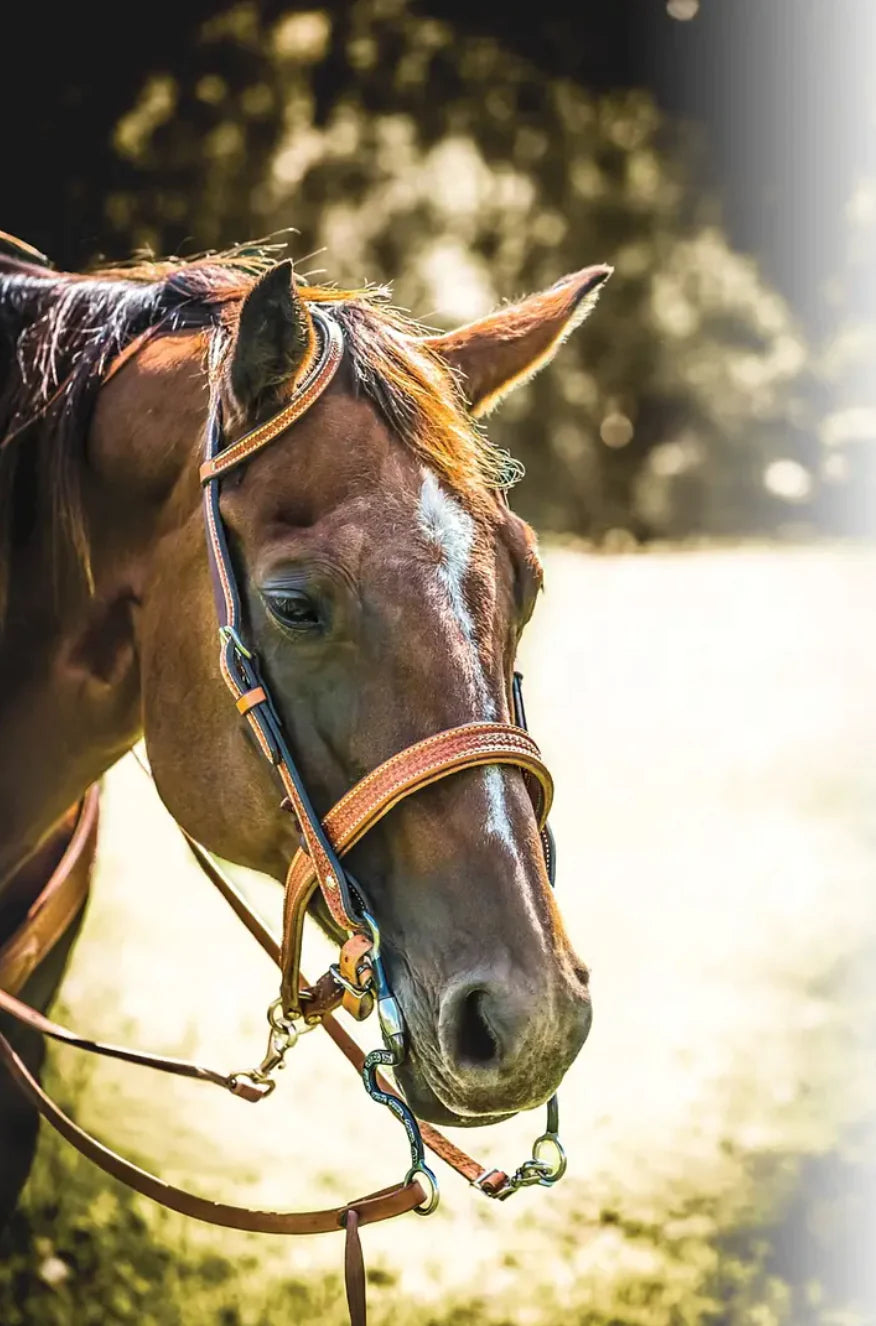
(555,1162)
(422,1171)
(282,1025)
(294,1028)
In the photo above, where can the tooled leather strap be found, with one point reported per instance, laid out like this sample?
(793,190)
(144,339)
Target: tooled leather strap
(438,756)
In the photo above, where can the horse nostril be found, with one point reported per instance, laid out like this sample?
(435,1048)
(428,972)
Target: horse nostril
(476,1043)
(583,975)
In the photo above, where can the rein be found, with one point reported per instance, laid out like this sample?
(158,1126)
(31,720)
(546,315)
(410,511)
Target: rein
(358,980)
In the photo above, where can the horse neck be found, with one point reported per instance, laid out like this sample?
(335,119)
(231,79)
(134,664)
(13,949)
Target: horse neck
(69,668)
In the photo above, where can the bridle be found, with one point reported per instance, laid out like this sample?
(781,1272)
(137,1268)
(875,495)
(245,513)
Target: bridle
(358,980)
(359,977)
(317,864)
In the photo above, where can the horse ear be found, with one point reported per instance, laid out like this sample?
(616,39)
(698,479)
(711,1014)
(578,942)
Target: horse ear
(507,347)
(274,338)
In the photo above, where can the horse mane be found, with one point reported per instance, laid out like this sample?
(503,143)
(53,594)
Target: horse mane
(59,333)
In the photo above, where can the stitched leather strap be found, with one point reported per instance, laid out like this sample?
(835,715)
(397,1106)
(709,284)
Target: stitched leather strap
(439,756)
(58,904)
(382,1205)
(238,665)
(354,1271)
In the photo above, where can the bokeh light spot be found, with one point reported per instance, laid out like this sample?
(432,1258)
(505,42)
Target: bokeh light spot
(788,479)
(616,430)
(683,9)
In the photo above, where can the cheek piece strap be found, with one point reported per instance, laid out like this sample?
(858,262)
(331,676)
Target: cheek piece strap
(357,981)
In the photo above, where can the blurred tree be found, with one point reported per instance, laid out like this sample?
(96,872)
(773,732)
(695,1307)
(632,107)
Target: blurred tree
(414,151)
(456,169)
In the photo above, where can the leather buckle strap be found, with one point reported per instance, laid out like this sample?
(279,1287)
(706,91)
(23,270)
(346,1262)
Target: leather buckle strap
(354,973)
(466,747)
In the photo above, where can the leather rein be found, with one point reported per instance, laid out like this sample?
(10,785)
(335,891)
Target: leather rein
(358,980)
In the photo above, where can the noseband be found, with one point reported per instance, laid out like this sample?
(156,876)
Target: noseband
(358,980)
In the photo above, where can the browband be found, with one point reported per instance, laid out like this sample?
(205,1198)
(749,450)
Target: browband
(308,389)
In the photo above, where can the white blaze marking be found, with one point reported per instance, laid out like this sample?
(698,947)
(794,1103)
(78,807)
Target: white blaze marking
(498,822)
(450,528)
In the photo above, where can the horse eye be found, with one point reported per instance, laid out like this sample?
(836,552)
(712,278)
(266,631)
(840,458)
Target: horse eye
(293,608)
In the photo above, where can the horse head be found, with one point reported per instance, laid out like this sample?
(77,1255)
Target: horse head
(385,585)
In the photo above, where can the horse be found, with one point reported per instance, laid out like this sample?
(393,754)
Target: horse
(384,585)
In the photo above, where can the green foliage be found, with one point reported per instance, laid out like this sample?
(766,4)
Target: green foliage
(401,151)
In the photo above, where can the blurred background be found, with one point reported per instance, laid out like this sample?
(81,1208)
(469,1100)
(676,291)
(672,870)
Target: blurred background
(701,466)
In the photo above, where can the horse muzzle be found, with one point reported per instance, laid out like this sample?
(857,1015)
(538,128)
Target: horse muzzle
(496,1047)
